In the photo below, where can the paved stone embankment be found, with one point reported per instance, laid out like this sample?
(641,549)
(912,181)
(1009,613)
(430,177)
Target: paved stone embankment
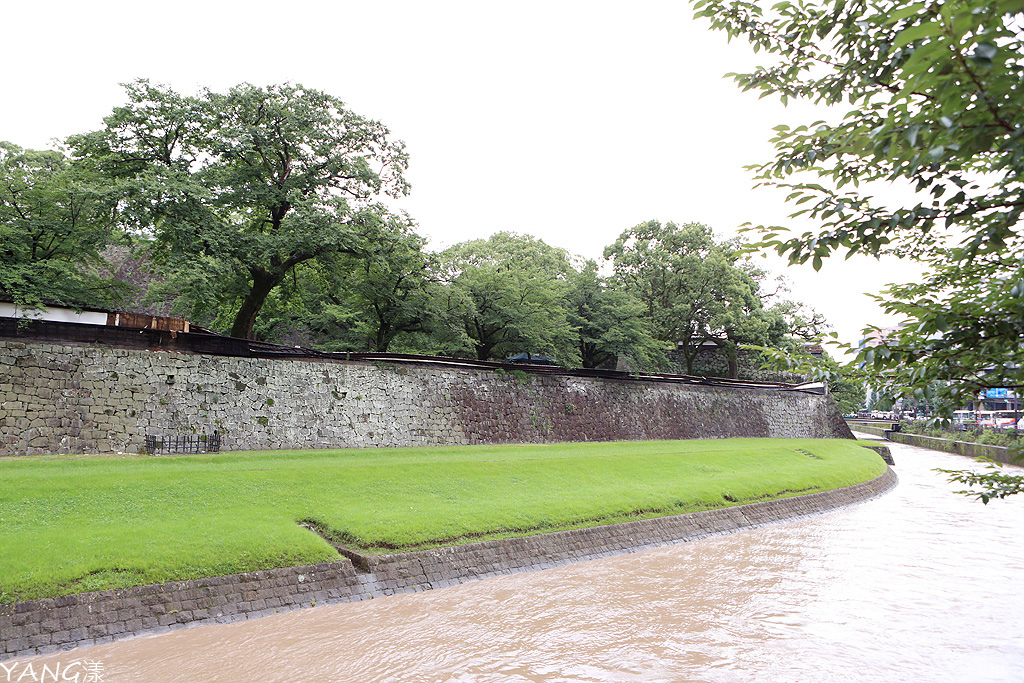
(967,448)
(48,625)
(65,398)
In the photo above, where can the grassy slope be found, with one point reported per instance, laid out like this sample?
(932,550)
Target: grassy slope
(69,524)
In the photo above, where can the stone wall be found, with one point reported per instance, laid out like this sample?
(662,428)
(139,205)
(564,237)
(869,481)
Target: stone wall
(63,398)
(42,626)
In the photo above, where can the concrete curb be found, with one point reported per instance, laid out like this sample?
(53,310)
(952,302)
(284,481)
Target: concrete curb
(36,627)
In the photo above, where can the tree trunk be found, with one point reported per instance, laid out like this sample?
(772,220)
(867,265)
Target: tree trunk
(734,367)
(688,357)
(485,341)
(587,355)
(263,284)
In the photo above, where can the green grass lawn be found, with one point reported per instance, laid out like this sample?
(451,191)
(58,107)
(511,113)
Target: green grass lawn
(76,523)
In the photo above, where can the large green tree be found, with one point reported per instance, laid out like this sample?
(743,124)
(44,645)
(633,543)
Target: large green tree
(610,322)
(694,289)
(55,218)
(390,292)
(510,293)
(933,92)
(239,188)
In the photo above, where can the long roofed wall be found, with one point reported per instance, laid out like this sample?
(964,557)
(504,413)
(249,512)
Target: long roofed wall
(67,398)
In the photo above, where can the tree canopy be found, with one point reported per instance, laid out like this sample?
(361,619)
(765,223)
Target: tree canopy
(260,212)
(370,300)
(55,217)
(610,322)
(238,188)
(513,290)
(933,97)
(695,290)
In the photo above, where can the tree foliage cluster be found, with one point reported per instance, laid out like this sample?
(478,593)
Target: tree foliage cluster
(933,95)
(263,212)
(54,219)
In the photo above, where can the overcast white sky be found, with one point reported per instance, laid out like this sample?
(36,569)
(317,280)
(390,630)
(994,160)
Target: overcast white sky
(567,120)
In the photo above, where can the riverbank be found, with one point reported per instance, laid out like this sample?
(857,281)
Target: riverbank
(965,448)
(48,625)
(86,523)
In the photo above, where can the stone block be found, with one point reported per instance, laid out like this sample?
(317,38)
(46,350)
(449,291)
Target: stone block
(40,640)
(97,630)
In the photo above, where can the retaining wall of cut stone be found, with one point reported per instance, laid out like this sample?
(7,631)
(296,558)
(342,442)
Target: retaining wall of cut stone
(43,626)
(66,398)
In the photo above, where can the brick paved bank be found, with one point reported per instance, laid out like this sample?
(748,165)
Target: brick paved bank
(43,626)
(967,448)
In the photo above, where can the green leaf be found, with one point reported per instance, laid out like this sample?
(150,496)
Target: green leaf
(911,134)
(919,117)
(914,33)
(904,13)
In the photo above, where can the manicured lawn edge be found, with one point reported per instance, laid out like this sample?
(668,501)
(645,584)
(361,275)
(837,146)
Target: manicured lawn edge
(78,524)
(43,626)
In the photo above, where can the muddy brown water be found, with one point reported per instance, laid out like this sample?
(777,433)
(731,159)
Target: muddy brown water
(919,585)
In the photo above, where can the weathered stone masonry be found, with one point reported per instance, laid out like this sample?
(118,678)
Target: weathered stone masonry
(63,398)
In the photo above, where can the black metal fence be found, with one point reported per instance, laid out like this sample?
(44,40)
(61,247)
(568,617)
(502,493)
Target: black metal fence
(202,443)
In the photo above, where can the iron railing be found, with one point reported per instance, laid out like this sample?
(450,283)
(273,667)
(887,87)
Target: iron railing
(202,443)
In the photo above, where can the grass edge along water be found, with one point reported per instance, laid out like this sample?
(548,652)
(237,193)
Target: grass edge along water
(71,524)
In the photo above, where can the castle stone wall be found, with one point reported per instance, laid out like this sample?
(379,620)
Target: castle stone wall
(62,398)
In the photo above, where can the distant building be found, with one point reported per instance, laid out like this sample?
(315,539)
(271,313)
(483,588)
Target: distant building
(879,336)
(61,314)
